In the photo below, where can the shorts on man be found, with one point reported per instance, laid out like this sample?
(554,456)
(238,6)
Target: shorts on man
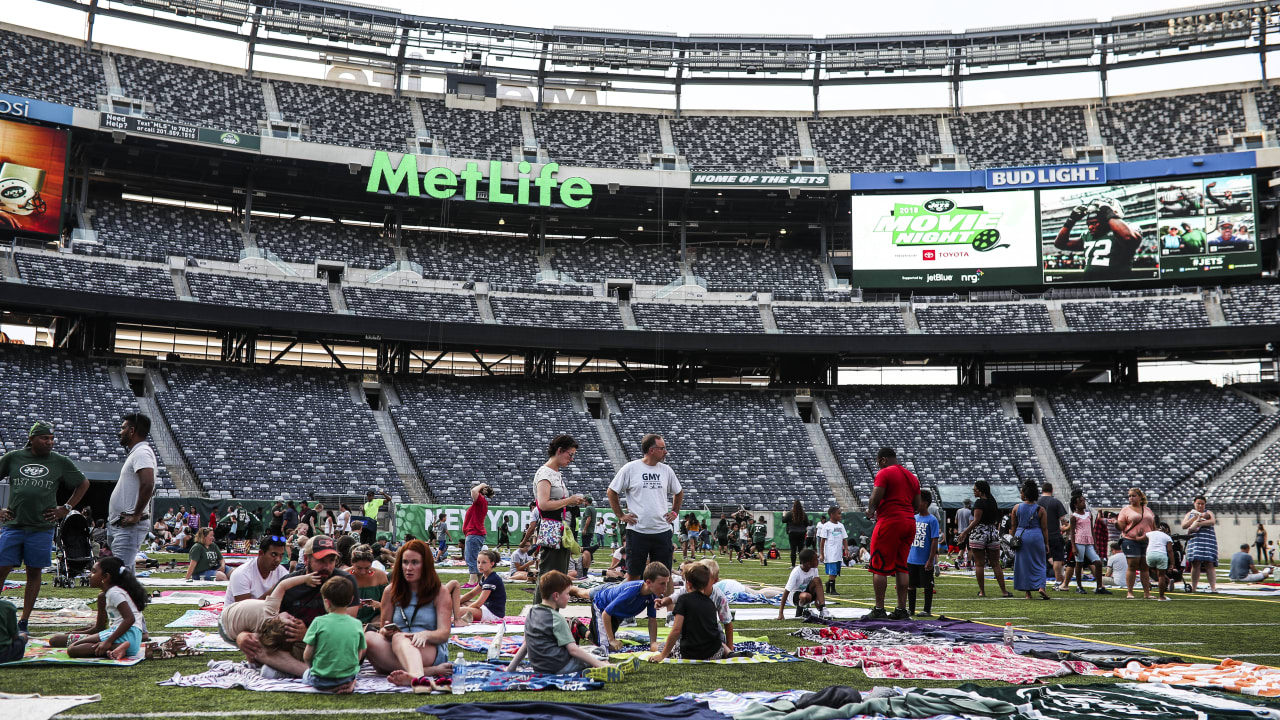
(890,545)
(32,548)
(644,548)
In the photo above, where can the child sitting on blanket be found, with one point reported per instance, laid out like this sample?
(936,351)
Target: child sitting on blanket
(490,595)
(120,607)
(335,641)
(723,611)
(805,586)
(548,641)
(521,563)
(696,631)
(13,642)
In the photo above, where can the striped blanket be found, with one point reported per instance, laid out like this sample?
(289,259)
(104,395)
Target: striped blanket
(1232,675)
(932,662)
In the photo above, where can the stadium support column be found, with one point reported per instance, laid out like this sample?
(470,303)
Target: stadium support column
(92,11)
(540,364)
(253,38)
(542,74)
(1125,370)
(1262,44)
(817,81)
(955,86)
(248,204)
(404,47)
(1102,67)
(971,372)
(239,346)
(679,80)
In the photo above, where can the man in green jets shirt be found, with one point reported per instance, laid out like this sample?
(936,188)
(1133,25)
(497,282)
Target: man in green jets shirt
(35,473)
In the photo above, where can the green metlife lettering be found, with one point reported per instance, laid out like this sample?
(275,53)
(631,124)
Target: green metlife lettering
(442,183)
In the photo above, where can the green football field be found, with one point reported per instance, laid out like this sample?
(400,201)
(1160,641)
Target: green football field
(1196,627)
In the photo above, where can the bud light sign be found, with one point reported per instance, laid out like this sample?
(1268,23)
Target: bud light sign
(1046,176)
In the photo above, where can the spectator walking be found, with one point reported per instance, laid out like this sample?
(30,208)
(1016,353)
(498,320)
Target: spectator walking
(1134,522)
(797,524)
(983,537)
(1030,526)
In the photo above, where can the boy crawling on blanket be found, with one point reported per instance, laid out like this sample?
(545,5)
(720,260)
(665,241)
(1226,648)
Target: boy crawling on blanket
(548,641)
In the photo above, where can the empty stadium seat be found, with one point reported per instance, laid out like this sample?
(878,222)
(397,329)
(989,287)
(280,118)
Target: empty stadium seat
(294,295)
(839,319)
(131,280)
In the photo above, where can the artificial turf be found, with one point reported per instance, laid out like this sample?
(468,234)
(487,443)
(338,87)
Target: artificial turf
(1193,625)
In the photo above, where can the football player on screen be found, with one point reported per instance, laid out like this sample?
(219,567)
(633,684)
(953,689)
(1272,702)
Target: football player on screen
(1109,243)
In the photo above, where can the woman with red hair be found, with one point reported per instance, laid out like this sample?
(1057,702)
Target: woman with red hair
(411,642)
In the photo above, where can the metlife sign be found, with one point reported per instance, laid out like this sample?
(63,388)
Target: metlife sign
(1046,176)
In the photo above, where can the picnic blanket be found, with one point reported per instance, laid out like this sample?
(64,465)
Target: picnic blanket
(178,582)
(750,598)
(205,642)
(226,675)
(38,651)
(1231,675)
(1120,701)
(931,662)
(510,644)
(65,616)
(46,603)
(206,617)
(761,652)
(1025,642)
(493,677)
(40,707)
(728,703)
(757,613)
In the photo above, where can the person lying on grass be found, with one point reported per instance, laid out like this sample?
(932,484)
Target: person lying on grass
(695,634)
(610,604)
(335,641)
(548,641)
(805,585)
(489,598)
(117,632)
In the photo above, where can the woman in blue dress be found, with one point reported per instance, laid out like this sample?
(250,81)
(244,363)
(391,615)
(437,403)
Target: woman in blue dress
(411,643)
(1202,548)
(1031,521)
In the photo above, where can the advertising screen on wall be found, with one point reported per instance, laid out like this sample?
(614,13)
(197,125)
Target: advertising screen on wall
(1178,230)
(33,163)
(945,240)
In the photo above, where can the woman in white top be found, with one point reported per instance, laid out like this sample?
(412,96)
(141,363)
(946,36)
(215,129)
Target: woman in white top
(329,523)
(552,498)
(344,518)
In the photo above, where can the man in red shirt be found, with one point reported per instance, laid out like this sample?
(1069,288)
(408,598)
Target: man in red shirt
(474,530)
(892,508)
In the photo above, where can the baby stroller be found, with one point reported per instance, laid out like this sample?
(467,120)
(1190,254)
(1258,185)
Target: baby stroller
(74,549)
(221,532)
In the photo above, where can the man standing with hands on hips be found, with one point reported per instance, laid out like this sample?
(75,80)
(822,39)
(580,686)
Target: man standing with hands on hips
(646,484)
(127,511)
(35,473)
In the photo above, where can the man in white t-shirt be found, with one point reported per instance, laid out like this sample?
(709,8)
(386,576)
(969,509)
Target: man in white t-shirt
(253,580)
(833,546)
(127,511)
(803,586)
(645,485)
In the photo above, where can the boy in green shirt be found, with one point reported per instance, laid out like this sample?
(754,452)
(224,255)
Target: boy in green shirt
(13,642)
(760,531)
(335,641)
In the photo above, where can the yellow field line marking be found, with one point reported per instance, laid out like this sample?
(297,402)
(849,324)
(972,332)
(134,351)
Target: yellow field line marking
(1108,642)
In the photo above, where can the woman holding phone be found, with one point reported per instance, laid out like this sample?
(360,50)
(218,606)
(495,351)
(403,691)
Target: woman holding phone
(412,642)
(371,583)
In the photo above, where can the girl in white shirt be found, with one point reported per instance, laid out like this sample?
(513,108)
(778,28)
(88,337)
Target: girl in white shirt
(1158,556)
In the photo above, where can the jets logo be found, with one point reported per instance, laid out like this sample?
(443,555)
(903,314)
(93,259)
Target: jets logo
(33,471)
(230,139)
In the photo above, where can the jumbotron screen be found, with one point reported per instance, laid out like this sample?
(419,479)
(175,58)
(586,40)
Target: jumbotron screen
(1175,230)
(1169,230)
(945,239)
(33,161)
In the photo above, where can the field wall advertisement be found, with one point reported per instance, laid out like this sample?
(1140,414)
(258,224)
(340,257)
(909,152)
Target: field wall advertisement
(1183,231)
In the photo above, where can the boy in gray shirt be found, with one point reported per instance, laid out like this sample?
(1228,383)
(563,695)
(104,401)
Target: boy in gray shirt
(549,643)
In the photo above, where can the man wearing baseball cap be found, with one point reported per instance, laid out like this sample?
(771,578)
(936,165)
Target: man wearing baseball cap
(35,474)
(320,556)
